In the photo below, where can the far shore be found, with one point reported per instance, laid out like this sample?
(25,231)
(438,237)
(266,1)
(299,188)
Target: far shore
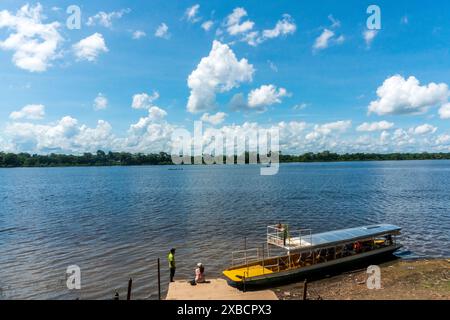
(111,159)
(418,279)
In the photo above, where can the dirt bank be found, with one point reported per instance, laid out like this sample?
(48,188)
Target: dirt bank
(400,279)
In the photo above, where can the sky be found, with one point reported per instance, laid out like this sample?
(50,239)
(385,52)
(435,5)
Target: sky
(133,72)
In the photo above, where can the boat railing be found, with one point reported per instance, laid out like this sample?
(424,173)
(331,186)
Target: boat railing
(281,236)
(244,257)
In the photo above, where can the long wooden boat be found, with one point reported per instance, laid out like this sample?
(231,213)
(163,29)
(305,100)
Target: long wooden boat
(309,253)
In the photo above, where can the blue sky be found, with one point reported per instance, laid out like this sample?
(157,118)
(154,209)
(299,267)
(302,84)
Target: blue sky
(301,66)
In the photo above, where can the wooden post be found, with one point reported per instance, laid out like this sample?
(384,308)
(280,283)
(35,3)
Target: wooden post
(305,289)
(130,283)
(159,280)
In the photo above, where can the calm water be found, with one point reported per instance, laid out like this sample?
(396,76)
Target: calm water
(115,222)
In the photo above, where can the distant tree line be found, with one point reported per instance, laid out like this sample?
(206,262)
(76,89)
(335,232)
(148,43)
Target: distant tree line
(327,156)
(8,160)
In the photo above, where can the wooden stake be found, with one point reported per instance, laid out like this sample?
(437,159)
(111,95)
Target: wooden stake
(305,289)
(159,280)
(130,283)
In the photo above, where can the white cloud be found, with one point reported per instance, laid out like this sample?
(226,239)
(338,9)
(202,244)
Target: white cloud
(162,31)
(424,129)
(443,139)
(90,48)
(375,126)
(191,13)
(400,96)
(323,130)
(138,34)
(30,112)
(220,71)
(144,101)
(328,36)
(444,111)
(215,119)
(266,95)
(63,136)
(369,36)
(234,24)
(156,113)
(283,27)
(322,41)
(34,43)
(100,102)
(207,25)
(153,134)
(105,19)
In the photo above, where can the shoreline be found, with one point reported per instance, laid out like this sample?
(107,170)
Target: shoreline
(402,279)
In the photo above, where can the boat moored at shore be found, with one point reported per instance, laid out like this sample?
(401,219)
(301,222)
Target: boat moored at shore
(306,253)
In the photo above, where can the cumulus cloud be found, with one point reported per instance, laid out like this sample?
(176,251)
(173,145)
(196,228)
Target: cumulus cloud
(283,27)
(444,111)
(34,43)
(235,25)
(191,13)
(323,130)
(30,112)
(162,31)
(266,95)
(375,126)
(398,95)
(219,72)
(105,19)
(100,102)
(63,136)
(138,34)
(207,25)
(90,48)
(153,133)
(214,119)
(424,129)
(144,101)
(443,139)
(156,113)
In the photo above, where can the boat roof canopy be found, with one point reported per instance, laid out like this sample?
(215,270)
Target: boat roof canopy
(345,235)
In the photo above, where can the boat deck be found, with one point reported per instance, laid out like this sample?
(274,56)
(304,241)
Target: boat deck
(250,272)
(216,289)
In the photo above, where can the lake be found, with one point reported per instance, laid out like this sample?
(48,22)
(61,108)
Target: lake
(114,222)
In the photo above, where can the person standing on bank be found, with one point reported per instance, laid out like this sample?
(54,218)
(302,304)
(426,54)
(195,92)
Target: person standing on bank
(172,267)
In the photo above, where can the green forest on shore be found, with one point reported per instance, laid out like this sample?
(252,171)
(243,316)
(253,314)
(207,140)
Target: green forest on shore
(101,158)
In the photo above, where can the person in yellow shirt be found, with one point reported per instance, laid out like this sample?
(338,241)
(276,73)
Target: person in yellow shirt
(172,267)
